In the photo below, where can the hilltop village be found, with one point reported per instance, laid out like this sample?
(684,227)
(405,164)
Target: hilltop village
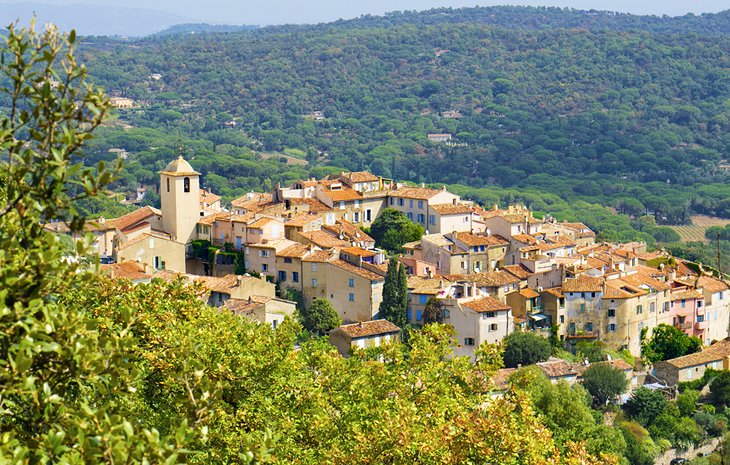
(494,271)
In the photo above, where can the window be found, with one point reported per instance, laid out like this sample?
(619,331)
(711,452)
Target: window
(357,204)
(431,219)
(314,283)
(612,327)
(582,307)
(342,205)
(684,303)
(611,313)
(468,341)
(589,327)
(410,203)
(481,248)
(356,217)
(582,295)
(158,263)
(400,202)
(368,215)
(419,315)
(391,200)
(494,327)
(562,318)
(466,219)
(486,315)
(282,276)
(314,267)
(421,218)
(652,307)
(593,295)
(699,304)
(409,313)
(700,318)
(422,299)
(476,248)
(168,184)
(264,267)
(295,276)
(410,216)
(287,260)
(722,295)
(446,313)
(639,310)
(351,282)
(351,297)
(186,185)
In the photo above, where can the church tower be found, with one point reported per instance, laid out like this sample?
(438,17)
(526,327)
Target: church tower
(180,199)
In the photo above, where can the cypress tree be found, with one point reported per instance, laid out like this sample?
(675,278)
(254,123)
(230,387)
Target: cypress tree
(395,294)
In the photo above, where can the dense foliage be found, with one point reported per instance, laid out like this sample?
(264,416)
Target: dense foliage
(525,348)
(394,305)
(604,382)
(669,342)
(320,318)
(391,229)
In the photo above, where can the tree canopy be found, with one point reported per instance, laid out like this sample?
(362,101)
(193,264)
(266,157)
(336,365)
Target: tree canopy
(525,348)
(669,342)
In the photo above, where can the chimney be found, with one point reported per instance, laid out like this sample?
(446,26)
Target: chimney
(249,300)
(239,280)
(359,324)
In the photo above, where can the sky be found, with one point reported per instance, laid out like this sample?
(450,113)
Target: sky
(314,11)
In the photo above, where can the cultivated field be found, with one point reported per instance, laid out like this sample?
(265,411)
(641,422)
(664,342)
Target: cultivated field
(696,231)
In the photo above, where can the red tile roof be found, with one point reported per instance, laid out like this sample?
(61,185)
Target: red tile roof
(486,304)
(451,209)
(369,329)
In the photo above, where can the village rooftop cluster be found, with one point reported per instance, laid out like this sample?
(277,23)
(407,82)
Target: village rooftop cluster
(494,270)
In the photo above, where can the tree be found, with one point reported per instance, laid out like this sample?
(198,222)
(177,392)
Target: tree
(68,387)
(392,229)
(320,318)
(433,313)
(720,389)
(592,350)
(395,294)
(645,405)
(525,348)
(668,342)
(604,382)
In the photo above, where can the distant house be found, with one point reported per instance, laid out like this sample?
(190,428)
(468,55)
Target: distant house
(264,309)
(693,366)
(363,335)
(317,115)
(439,137)
(121,102)
(451,114)
(155,76)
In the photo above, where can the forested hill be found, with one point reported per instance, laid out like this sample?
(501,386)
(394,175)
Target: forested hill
(634,120)
(518,17)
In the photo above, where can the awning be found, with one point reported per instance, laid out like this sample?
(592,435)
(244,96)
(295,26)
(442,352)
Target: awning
(538,316)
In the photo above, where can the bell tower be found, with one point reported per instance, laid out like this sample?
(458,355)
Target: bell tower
(180,199)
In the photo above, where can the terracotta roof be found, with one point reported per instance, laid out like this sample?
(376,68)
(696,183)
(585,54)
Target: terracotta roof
(261,222)
(169,276)
(716,351)
(342,194)
(225,284)
(686,294)
(451,209)
(488,279)
(252,201)
(133,218)
(360,176)
(302,220)
(418,193)
(473,239)
(136,227)
(324,239)
(207,197)
(138,239)
(349,230)
(369,329)
(516,218)
(425,285)
(583,283)
(525,239)
(500,380)
(558,368)
(520,271)
(210,219)
(358,251)
(179,167)
(486,304)
(246,307)
(712,285)
(529,293)
(315,206)
(294,251)
(556,291)
(125,270)
(362,272)
(640,278)
(412,245)
(318,256)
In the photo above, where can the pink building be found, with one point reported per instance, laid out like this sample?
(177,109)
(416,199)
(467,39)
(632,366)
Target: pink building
(687,310)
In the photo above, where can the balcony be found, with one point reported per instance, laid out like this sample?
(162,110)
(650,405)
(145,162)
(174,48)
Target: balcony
(584,335)
(701,325)
(685,325)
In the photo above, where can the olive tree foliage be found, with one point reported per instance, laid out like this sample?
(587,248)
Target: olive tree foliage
(65,387)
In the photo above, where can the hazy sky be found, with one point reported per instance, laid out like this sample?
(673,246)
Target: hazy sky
(312,11)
